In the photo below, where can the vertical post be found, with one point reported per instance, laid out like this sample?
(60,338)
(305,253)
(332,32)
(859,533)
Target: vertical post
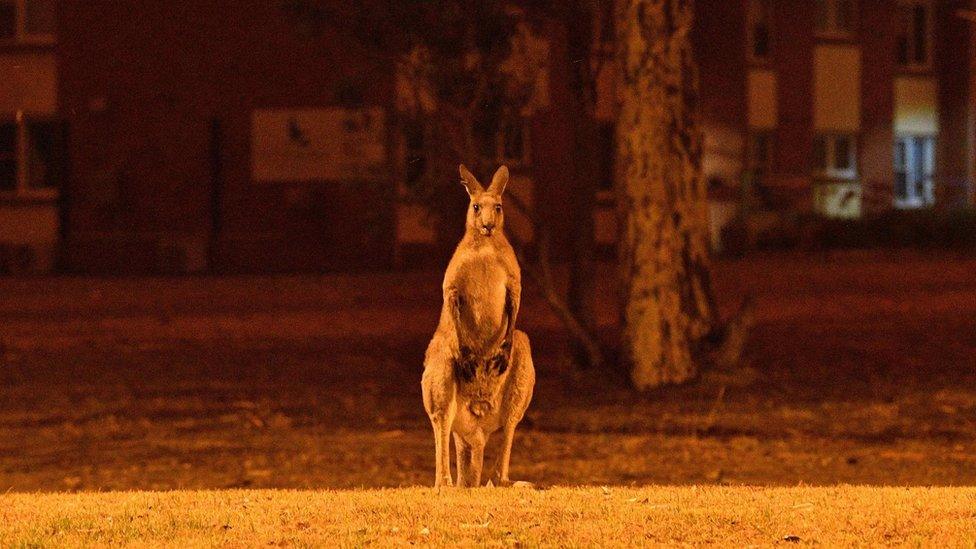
(63,166)
(23,156)
(877,140)
(216,193)
(971,114)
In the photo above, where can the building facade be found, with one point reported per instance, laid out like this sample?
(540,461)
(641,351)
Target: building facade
(30,136)
(842,107)
(218,135)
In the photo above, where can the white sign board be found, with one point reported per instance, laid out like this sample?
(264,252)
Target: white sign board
(318,144)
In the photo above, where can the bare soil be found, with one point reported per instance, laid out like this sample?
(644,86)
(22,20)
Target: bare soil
(862,369)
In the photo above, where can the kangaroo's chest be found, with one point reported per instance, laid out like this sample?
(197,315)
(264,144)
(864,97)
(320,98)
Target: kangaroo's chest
(482,284)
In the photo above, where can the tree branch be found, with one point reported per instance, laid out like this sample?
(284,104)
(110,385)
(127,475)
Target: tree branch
(541,274)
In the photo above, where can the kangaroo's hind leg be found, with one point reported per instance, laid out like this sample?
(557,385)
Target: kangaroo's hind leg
(442,448)
(477,461)
(505,456)
(463,460)
(470,457)
(440,401)
(518,394)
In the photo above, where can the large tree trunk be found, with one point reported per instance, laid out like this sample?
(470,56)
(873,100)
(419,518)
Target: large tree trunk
(663,245)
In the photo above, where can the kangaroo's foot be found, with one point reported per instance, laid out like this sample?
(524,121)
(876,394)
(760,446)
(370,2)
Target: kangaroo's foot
(516,484)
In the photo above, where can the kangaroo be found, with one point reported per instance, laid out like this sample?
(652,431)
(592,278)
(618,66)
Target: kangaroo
(478,373)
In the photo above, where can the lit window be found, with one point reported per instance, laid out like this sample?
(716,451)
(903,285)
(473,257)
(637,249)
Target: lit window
(834,156)
(836,18)
(760,17)
(30,21)
(914,39)
(914,166)
(28,156)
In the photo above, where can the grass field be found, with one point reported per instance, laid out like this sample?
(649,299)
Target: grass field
(834,516)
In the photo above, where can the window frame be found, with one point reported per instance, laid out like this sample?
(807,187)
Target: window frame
(22,187)
(830,171)
(832,32)
(21,34)
(607,147)
(912,65)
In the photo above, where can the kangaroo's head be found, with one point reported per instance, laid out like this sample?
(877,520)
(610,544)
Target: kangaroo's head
(485,213)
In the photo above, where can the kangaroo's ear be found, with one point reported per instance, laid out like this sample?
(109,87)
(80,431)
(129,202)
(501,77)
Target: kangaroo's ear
(470,182)
(498,181)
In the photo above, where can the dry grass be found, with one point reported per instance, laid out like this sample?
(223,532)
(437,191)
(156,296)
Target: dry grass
(835,516)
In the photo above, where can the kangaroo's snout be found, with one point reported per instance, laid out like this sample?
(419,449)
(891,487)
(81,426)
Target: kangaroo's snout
(487,229)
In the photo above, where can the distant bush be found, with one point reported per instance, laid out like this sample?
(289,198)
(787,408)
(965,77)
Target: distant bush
(902,229)
(931,229)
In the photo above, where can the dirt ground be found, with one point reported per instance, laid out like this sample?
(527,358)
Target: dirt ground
(862,369)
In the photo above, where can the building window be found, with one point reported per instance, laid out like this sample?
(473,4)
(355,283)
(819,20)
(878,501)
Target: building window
(503,135)
(914,38)
(8,157)
(760,35)
(414,153)
(508,140)
(28,156)
(27,21)
(759,156)
(607,155)
(835,156)
(914,166)
(759,163)
(836,18)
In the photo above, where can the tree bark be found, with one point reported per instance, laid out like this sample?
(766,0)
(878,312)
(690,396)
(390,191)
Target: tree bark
(668,306)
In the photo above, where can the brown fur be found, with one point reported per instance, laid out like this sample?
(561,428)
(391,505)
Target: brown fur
(478,372)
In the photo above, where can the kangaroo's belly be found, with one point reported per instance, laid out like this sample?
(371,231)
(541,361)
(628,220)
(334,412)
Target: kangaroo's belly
(482,288)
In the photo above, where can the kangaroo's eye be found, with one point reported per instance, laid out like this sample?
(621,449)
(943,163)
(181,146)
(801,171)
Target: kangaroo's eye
(498,208)
(477,208)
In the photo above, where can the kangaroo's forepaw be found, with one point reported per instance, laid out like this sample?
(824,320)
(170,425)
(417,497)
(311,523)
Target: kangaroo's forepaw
(467,365)
(502,358)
